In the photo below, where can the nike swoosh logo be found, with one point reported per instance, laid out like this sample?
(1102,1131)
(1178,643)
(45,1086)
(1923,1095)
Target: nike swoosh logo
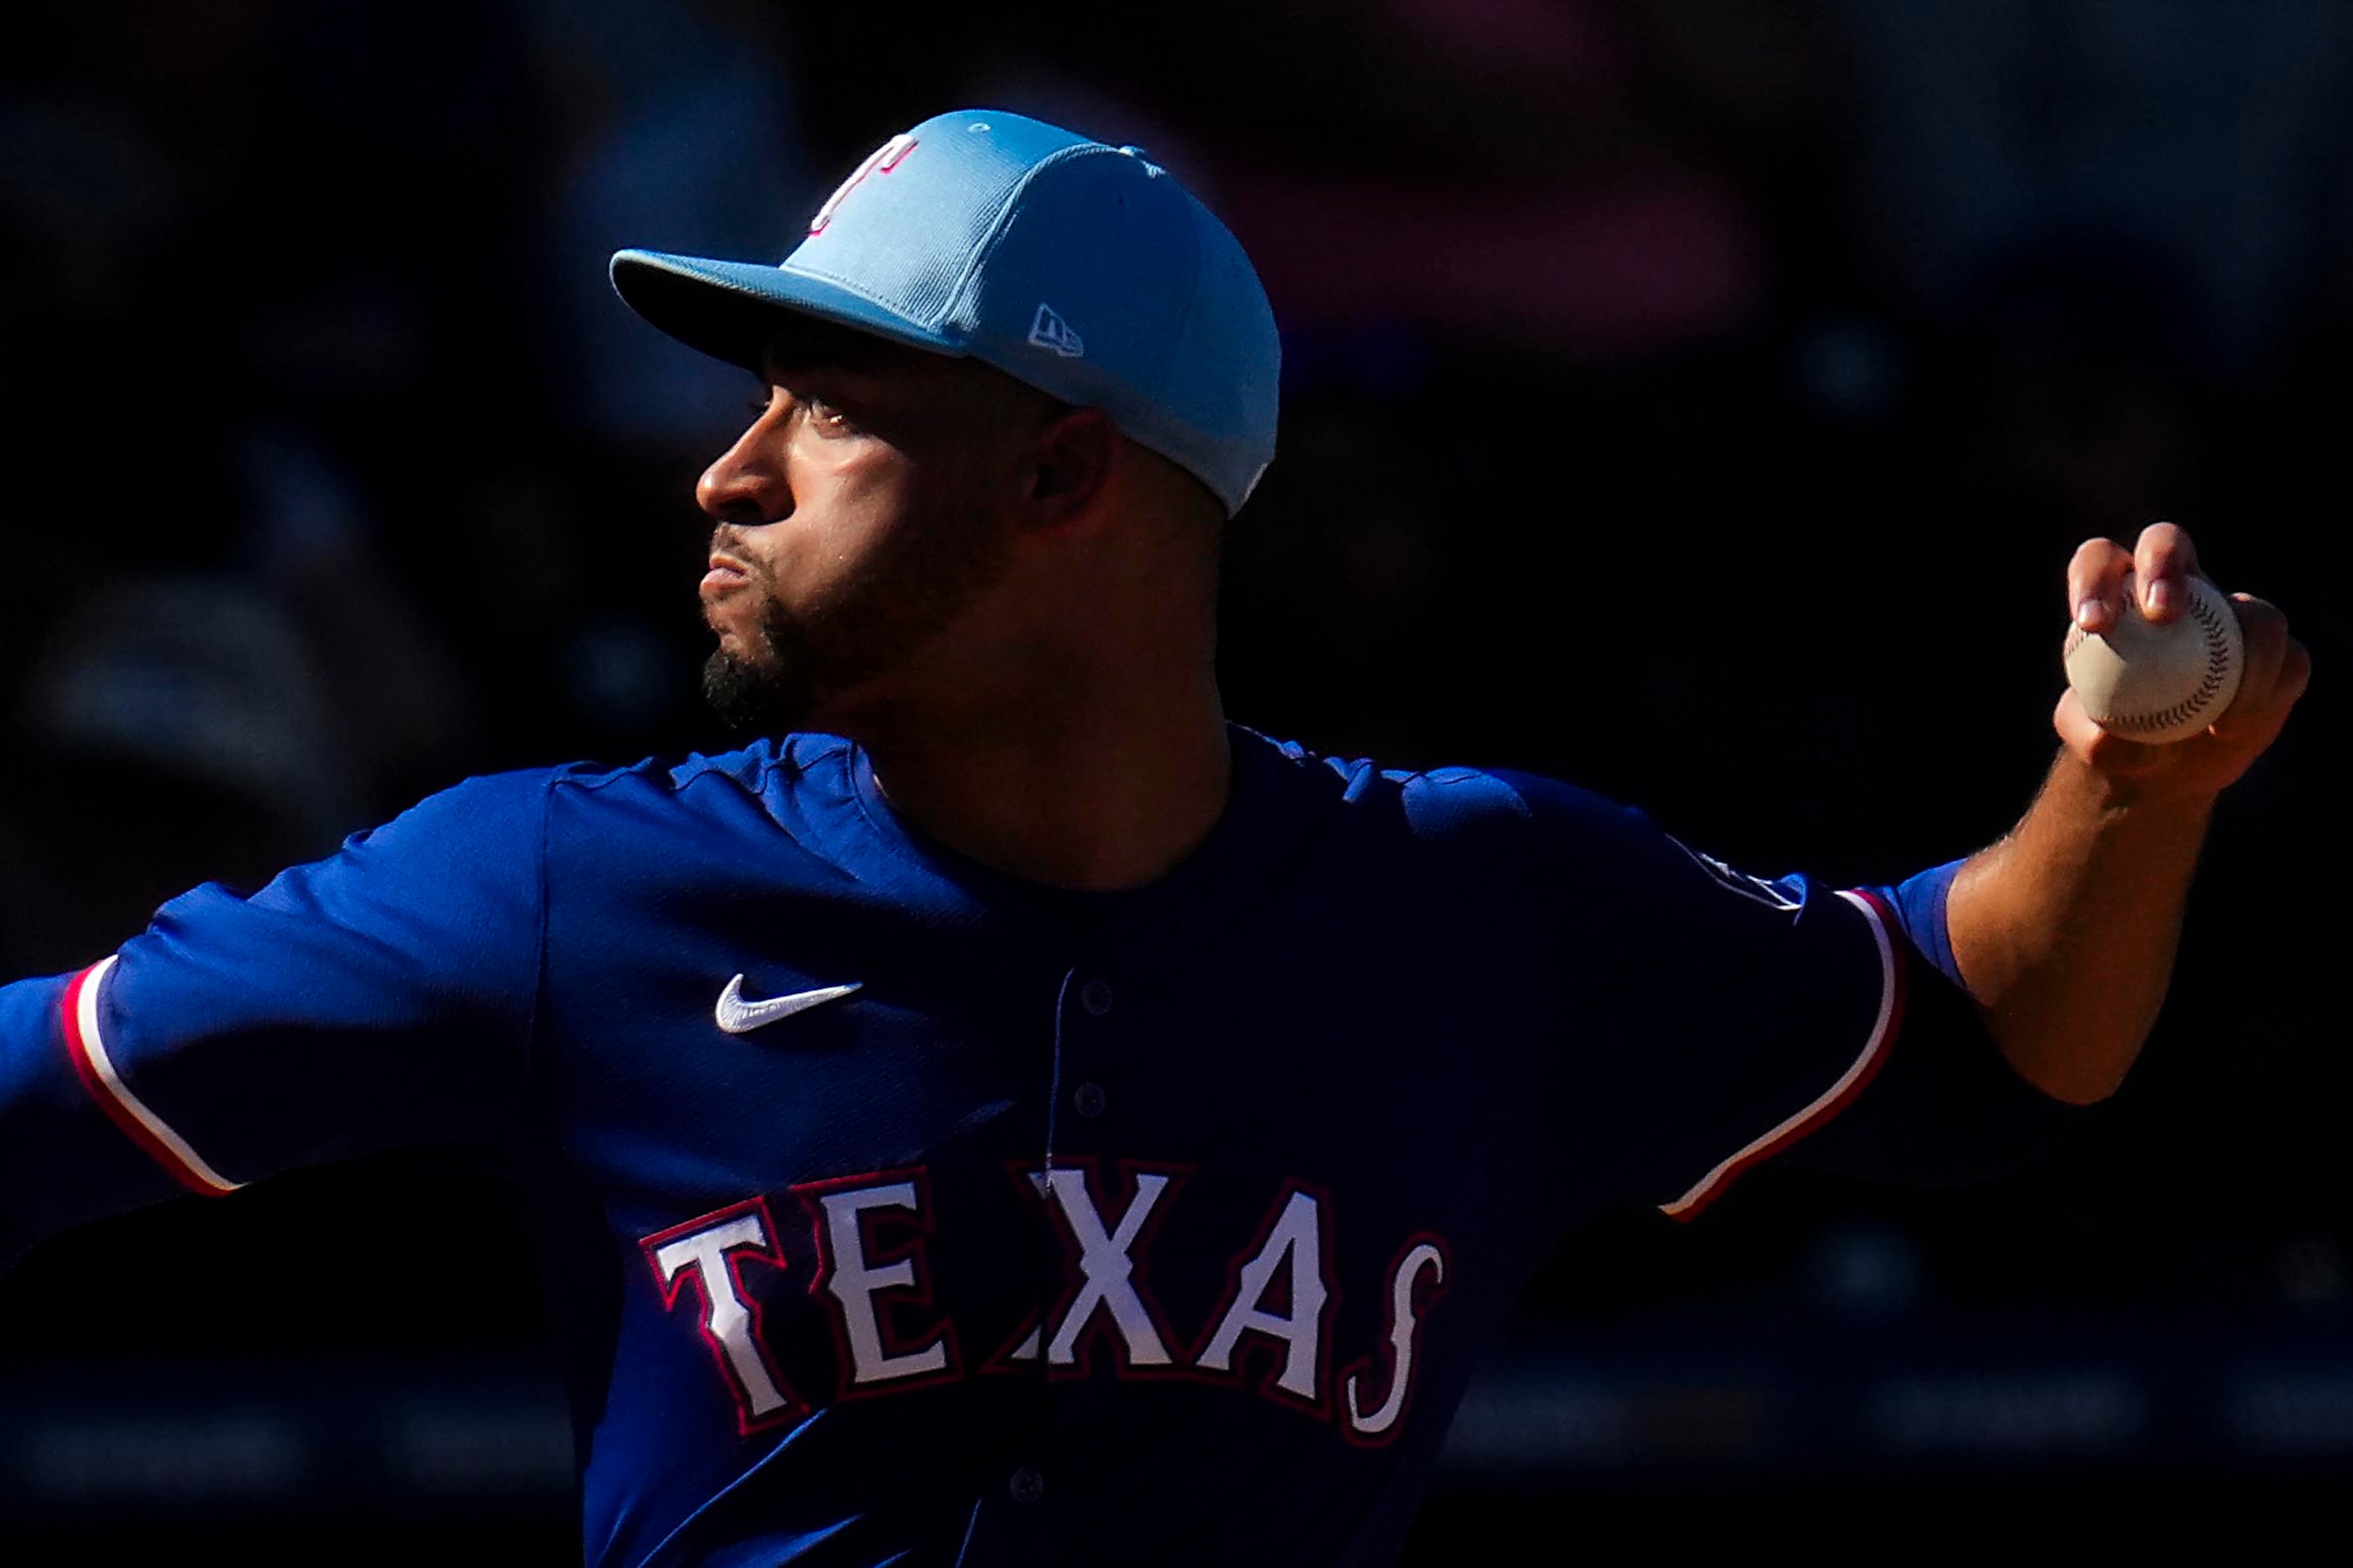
(738,1016)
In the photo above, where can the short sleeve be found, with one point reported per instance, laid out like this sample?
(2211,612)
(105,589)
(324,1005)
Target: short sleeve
(379,997)
(1713,1019)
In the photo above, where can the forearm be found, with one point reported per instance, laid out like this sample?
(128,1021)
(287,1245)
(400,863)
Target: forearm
(2065,931)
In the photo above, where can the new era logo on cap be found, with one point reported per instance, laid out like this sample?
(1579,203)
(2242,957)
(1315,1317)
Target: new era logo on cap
(952,237)
(1050,332)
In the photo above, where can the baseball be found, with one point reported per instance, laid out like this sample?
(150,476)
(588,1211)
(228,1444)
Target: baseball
(2160,684)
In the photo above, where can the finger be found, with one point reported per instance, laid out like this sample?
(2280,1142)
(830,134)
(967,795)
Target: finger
(2095,583)
(2276,671)
(2275,701)
(2110,754)
(2278,668)
(2077,730)
(2096,578)
(2262,635)
(2163,562)
(2296,673)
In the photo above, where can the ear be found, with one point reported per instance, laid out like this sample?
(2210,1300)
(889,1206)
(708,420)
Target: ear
(1070,467)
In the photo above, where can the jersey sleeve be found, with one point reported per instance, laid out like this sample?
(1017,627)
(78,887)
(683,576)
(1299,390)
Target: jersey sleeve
(379,997)
(1720,1019)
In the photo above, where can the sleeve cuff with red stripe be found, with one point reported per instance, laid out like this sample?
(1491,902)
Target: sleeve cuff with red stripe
(85,1044)
(1887,933)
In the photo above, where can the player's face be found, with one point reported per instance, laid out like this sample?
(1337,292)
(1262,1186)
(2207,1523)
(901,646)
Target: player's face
(857,521)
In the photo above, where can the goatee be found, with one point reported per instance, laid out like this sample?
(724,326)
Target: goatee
(805,662)
(769,697)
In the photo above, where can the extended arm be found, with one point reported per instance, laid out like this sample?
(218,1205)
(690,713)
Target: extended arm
(377,998)
(2065,929)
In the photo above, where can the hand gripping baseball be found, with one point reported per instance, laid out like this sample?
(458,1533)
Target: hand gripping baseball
(2275,668)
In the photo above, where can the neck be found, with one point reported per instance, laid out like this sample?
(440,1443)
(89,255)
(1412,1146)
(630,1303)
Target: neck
(1082,780)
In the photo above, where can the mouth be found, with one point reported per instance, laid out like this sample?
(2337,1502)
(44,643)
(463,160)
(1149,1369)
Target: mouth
(726,574)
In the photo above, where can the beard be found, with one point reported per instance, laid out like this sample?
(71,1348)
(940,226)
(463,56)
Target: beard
(803,662)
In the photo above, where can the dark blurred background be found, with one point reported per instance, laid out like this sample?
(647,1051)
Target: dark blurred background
(1696,399)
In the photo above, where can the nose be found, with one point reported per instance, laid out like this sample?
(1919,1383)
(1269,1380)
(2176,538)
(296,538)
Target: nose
(745,484)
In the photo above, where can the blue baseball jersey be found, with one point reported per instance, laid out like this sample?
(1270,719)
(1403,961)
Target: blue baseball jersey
(912,1214)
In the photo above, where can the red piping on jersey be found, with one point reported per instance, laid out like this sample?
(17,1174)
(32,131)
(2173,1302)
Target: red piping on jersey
(82,1049)
(1889,935)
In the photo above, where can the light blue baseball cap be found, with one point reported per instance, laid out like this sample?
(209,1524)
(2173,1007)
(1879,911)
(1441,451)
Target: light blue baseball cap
(1084,269)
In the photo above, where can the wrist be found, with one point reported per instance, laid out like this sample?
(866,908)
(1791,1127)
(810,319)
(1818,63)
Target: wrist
(2141,787)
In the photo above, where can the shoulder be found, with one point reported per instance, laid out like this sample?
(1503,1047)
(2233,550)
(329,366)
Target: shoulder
(767,770)
(489,808)
(503,811)
(1474,832)
(749,769)
(698,814)
(1455,803)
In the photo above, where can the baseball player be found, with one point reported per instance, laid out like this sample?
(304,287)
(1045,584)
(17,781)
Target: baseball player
(1006,1113)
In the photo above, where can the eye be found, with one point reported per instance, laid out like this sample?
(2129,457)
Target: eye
(825,416)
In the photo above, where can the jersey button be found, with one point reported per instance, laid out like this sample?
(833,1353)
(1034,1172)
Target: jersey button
(1089,1100)
(1029,1486)
(1095,996)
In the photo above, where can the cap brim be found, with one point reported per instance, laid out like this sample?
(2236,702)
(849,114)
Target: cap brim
(734,310)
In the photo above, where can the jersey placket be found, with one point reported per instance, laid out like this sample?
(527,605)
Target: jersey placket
(1085,1060)
(1014,1520)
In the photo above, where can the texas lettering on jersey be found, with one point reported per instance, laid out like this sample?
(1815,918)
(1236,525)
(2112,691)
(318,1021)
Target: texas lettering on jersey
(880,1182)
(894,1329)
